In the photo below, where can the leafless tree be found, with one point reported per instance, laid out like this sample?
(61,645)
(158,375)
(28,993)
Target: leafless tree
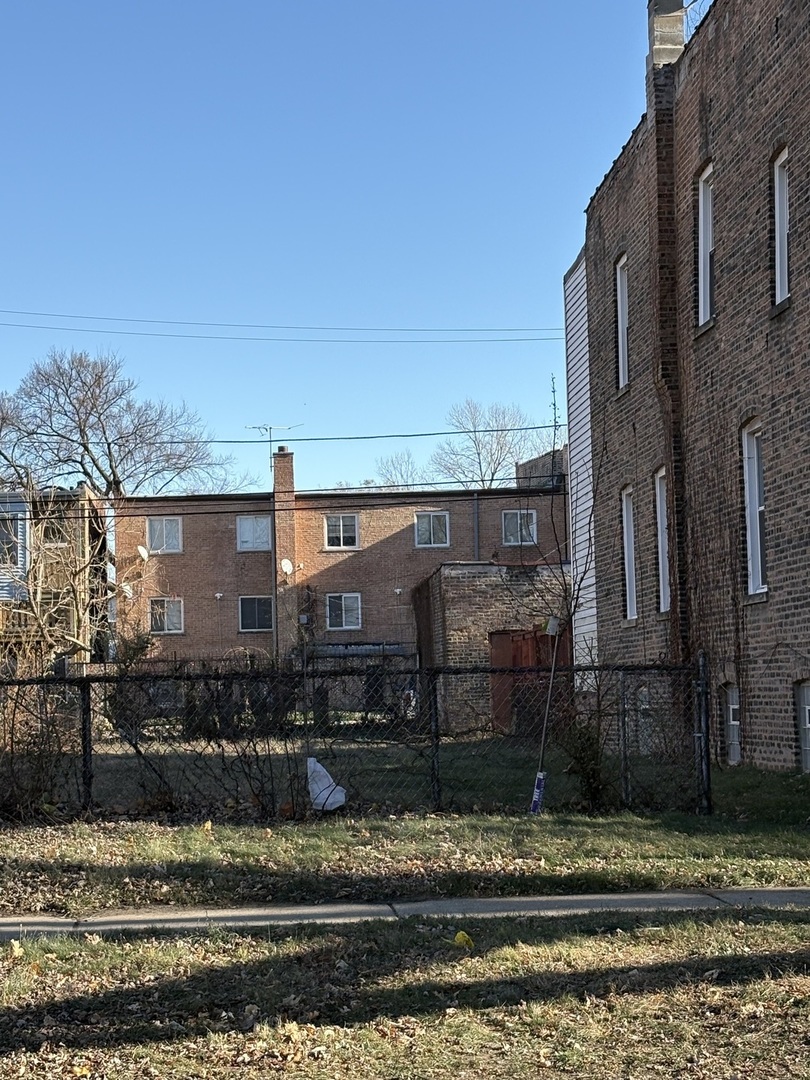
(77,418)
(490,440)
(401,472)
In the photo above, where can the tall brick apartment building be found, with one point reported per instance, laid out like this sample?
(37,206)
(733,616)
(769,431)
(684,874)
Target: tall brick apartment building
(294,574)
(687,350)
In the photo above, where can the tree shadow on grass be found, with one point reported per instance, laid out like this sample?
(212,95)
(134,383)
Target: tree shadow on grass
(355,975)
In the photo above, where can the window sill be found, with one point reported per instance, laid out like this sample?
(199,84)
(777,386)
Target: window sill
(258,630)
(780,308)
(167,633)
(338,550)
(342,629)
(629,623)
(663,616)
(705,327)
(623,390)
(756,598)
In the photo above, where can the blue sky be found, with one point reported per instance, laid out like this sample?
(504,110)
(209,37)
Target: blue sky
(313,163)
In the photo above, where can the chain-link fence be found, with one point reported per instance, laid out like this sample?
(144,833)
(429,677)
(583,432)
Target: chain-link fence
(211,743)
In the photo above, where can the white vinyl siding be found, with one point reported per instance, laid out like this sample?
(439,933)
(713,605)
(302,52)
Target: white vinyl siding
(164,535)
(343,611)
(754,506)
(622,322)
(519,527)
(165,615)
(781,228)
(706,271)
(253,532)
(629,551)
(341,531)
(255,613)
(580,479)
(663,539)
(432,529)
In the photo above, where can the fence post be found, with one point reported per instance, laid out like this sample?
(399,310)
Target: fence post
(624,753)
(87,742)
(435,738)
(702,742)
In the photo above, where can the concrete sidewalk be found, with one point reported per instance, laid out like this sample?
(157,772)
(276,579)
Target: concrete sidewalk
(180,920)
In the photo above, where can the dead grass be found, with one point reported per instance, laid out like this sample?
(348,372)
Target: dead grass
(718,997)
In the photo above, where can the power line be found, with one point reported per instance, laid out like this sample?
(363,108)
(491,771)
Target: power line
(284,326)
(288,340)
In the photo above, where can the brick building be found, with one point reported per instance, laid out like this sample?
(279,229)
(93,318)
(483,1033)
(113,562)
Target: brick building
(686,328)
(337,568)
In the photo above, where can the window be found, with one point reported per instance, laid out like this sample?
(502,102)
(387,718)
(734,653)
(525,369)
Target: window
(165,615)
(253,533)
(255,613)
(663,539)
(164,535)
(732,725)
(782,228)
(754,506)
(629,544)
(803,710)
(9,539)
(621,321)
(343,611)
(519,526)
(433,529)
(341,531)
(706,247)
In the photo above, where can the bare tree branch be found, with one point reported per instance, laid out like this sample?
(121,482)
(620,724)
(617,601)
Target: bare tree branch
(489,444)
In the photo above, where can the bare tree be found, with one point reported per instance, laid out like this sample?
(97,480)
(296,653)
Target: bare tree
(77,418)
(491,439)
(401,472)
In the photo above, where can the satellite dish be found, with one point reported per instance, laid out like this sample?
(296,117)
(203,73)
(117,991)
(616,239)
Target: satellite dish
(143,552)
(286,566)
(126,589)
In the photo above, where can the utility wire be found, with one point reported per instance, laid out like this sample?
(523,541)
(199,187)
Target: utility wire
(283,326)
(288,340)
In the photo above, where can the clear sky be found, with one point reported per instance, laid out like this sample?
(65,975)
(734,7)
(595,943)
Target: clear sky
(309,163)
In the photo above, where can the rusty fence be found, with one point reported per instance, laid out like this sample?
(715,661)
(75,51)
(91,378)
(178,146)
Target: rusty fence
(205,742)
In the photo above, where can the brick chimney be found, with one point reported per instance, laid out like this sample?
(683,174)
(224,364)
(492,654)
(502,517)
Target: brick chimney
(666,22)
(286,583)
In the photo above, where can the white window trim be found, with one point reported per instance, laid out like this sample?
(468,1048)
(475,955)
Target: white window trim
(754,507)
(706,273)
(664,599)
(164,518)
(622,323)
(532,516)
(171,600)
(781,191)
(256,629)
(343,596)
(803,707)
(341,547)
(253,546)
(432,514)
(629,549)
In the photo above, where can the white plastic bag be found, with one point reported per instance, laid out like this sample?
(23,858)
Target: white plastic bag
(323,791)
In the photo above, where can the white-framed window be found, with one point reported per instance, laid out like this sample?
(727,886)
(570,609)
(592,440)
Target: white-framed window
(255,612)
(9,539)
(754,506)
(629,550)
(622,321)
(341,531)
(781,228)
(803,717)
(706,246)
(432,528)
(663,539)
(519,527)
(253,532)
(164,535)
(731,705)
(343,611)
(166,615)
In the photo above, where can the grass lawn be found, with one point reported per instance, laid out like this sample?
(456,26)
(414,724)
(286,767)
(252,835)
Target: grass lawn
(719,997)
(759,836)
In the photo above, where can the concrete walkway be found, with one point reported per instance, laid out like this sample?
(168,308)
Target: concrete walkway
(179,920)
